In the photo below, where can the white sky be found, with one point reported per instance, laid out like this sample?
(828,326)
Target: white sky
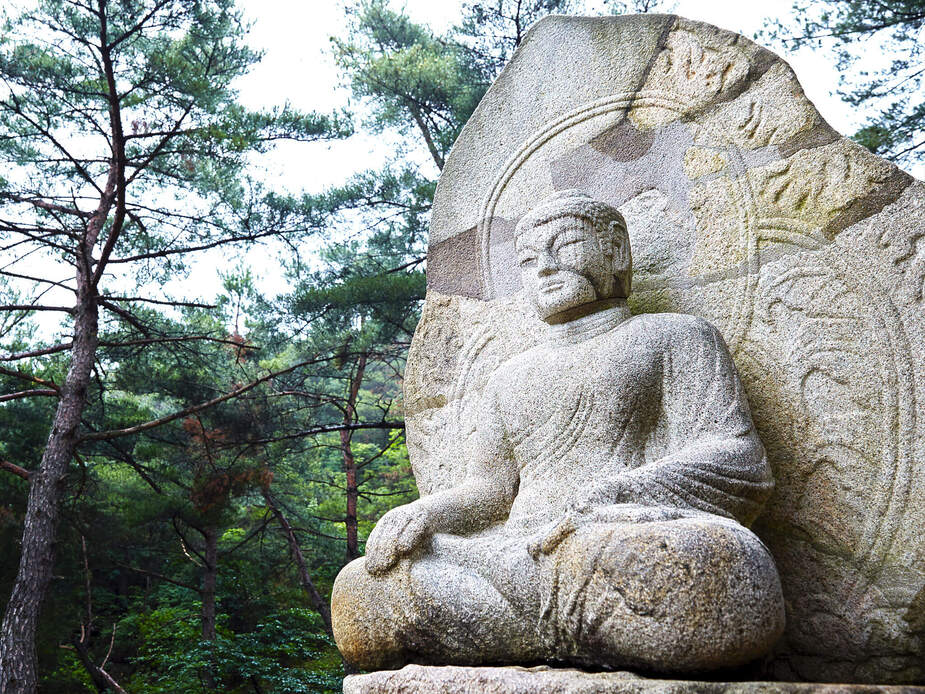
(297,67)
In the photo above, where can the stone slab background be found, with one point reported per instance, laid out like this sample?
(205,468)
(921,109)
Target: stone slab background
(417,679)
(744,207)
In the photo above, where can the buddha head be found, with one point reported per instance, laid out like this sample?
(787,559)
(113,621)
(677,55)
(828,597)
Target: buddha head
(573,251)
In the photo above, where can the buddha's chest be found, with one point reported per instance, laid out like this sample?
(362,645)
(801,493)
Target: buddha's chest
(581,396)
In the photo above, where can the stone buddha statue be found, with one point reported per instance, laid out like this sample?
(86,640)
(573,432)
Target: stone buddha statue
(603,517)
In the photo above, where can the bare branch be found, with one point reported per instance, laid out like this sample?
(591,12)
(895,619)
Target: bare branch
(332,428)
(181,338)
(188,304)
(250,536)
(318,602)
(29,394)
(35,307)
(126,316)
(161,577)
(135,29)
(15,107)
(163,253)
(168,136)
(37,352)
(45,205)
(36,279)
(15,469)
(29,377)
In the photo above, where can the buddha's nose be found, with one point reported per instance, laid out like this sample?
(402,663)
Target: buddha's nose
(545,264)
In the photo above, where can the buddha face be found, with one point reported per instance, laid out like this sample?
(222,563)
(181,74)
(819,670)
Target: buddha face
(563,265)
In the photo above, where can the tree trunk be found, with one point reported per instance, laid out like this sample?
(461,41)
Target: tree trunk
(20,619)
(353,540)
(17,633)
(318,602)
(425,131)
(209,574)
(350,466)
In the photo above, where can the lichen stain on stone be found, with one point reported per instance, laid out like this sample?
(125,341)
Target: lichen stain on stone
(623,141)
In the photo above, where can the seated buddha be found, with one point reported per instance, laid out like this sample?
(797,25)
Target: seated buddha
(603,517)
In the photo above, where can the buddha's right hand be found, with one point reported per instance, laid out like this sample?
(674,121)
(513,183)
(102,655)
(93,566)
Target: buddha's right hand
(397,534)
(550,538)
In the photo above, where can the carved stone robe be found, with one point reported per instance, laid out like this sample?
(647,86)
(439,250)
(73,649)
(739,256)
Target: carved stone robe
(635,430)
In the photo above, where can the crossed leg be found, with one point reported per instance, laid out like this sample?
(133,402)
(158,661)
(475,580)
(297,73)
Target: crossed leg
(686,594)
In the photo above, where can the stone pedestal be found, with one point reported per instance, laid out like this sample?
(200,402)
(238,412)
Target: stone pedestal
(420,679)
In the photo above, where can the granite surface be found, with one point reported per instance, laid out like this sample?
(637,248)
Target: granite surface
(417,679)
(610,475)
(746,209)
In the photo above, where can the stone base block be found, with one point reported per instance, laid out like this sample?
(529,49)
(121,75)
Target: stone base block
(419,679)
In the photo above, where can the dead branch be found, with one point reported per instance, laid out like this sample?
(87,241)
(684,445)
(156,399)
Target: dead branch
(35,307)
(326,429)
(37,352)
(29,394)
(181,338)
(160,577)
(186,304)
(29,377)
(318,602)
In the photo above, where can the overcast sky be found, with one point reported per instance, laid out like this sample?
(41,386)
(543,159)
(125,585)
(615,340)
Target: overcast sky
(298,68)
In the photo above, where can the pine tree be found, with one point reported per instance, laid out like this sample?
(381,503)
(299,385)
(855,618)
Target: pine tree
(894,94)
(124,153)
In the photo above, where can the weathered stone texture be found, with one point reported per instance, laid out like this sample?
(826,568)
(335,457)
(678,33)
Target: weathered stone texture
(745,208)
(417,679)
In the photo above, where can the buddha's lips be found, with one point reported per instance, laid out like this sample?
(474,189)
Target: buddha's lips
(552,286)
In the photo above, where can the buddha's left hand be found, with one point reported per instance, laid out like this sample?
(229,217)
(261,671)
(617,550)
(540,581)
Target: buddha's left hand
(398,533)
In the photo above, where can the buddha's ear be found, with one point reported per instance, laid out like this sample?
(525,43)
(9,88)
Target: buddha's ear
(619,246)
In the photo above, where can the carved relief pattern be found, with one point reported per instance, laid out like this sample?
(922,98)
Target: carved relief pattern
(698,72)
(814,186)
(906,244)
(770,112)
(846,487)
(855,385)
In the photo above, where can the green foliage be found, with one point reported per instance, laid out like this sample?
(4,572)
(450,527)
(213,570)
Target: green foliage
(491,31)
(362,294)
(893,93)
(415,80)
(186,139)
(283,653)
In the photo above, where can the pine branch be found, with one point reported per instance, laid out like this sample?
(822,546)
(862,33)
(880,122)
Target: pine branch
(161,577)
(327,429)
(36,392)
(161,302)
(15,469)
(137,429)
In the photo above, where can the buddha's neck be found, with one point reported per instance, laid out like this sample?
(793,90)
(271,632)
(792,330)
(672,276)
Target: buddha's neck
(598,318)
